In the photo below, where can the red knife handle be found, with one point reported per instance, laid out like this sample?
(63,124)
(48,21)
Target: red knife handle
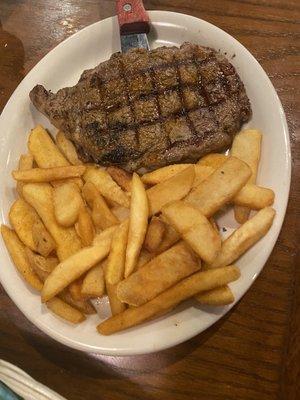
(132,17)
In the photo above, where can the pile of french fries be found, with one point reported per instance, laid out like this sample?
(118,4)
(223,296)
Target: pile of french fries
(80,231)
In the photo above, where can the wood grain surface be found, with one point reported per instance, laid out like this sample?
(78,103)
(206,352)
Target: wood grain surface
(254,351)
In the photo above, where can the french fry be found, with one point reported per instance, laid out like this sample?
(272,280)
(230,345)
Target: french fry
(101,214)
(163,174)
(188,287)
(65,311)
(253,197)
(67,203)
(194,228)
(40,197)
(213,160)
(81,304)
(45,152)
(67,148)
(85,227)
(214,224)
(121,213)
(155,234)
(25,221)
(36,175)
(174,188)
(220,296)
(25,162)
(138,221)
(123,178)
(201,173)
(106,185)
(76,265)
(171,237)
(158,275)
(42,266)
(220,187)
(42,239)
(246,146)
(17,252)
(93,284)
(75,290)
(116,266)
(144,258)
(244,237)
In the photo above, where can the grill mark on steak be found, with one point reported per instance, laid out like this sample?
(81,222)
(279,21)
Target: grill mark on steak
(150,108)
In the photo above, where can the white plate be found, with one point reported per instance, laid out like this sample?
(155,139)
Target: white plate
(62,67)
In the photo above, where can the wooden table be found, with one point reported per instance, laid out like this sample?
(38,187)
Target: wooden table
(254,351)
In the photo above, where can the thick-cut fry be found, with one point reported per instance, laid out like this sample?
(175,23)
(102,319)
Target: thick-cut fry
(93,284)
(214,160)
(116,305)
(201,173)
(17,252)
(42,266)
(25,221)
(144,258)
(158,275)
(85,227)
(199,282)
(155,234)
(138,220)
(174,188)
(244,237)
(67,148)
(121,213)
(255,197)
(36,175)
(67,203)
(194,228)
(171,237)
(25,162)
(220,187)
(106,185)
(76,265)
(75,289)
(220,296)
(123,178)
(81,304)
(45,152)
(246,146)
(40,197)
(65,311)
(163,174)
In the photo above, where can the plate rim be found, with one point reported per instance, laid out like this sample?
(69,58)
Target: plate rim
(132,351)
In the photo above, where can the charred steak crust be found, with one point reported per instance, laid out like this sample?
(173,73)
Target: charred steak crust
(150,108)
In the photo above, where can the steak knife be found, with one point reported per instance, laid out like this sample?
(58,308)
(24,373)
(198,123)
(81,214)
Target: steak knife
(134,24)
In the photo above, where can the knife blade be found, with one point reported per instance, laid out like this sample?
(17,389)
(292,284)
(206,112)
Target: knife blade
(134,24)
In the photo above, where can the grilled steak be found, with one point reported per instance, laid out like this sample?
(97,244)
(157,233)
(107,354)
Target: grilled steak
(150,108)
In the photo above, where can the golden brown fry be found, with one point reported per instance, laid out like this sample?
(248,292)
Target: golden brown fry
(40,197)
(138,221)
(85,227)
(194,228)
(163,174)
(106,185)
(123,178)
(93,284)
(67,148)
(36,175)
(214,224)
(171,236)
(158,275)
(81,304)
(17,252)
(254,197)
(188,287)
(65,311)
(244,237)
(201,173)
(144,258)
(174,188)
(45,152)
(220,187)
(220,296)
(76,265)
(116,305)
(122,213)
(67,203)
(214,160)
(25,162)
(155,234)
(246,146)
(75,289)
(42,266)
(25,221)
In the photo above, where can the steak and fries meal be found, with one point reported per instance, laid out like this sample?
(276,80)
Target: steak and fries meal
(122,202)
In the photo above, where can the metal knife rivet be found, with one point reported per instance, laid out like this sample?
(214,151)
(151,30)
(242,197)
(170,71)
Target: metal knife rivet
(127,7)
